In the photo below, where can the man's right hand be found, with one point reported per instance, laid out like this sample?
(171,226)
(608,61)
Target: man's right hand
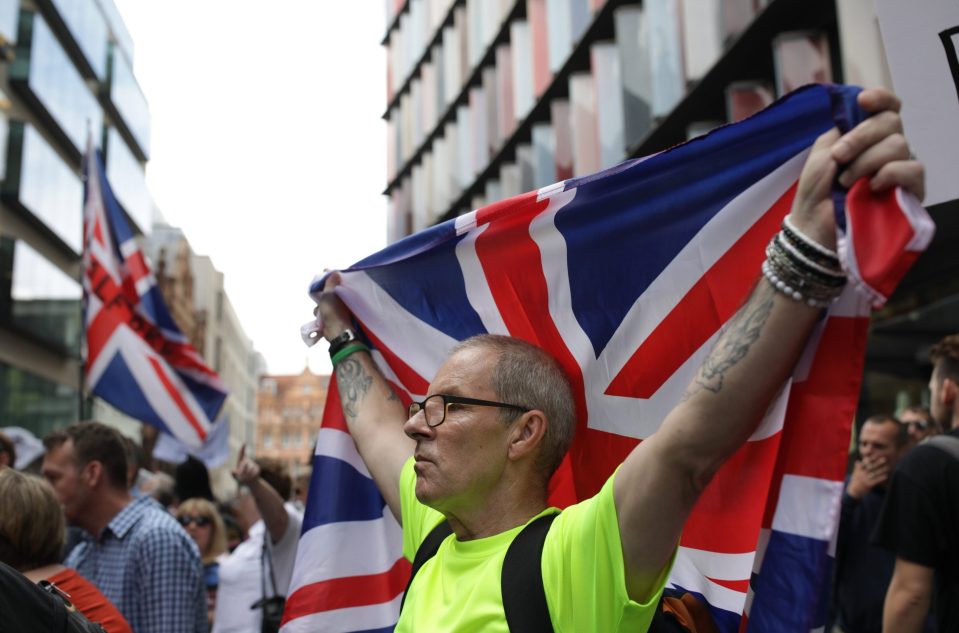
(867,473)
(335,315)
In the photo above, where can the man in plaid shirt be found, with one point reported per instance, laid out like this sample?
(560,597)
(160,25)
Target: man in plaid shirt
(133,550)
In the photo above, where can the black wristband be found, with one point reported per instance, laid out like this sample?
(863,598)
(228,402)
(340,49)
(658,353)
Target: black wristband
(342,340)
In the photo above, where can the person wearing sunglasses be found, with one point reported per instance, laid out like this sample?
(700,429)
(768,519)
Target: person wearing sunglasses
(480,446)
(203,523)
(919,424)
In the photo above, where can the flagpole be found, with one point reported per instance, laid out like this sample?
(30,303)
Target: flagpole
(84,170)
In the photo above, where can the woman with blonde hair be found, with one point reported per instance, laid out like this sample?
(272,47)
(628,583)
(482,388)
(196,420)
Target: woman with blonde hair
(31,540)
(204,524)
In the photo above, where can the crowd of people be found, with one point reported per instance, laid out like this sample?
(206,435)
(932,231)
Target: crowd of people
(466,470)
(149,552)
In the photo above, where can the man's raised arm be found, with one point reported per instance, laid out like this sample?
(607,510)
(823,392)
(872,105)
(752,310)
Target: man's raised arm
(373,412)
(662,478)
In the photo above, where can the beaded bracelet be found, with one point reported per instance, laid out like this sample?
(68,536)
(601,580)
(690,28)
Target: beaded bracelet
(808,246)
(801,272)
(782,258)
(794,253)
(346,351)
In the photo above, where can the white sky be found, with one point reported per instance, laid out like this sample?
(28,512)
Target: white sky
(267,146)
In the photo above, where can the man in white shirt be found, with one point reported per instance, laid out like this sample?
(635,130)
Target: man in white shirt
(261,566)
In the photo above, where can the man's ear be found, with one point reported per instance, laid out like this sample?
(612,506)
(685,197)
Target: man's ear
(92,473)
(949,391)
(527,434)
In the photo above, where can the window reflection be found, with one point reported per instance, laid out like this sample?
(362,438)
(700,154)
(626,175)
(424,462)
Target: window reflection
(118,29)
(36,404)
(126,95)
(128,181)
(9,14)
(89,29)
(49,189)
(57,84)
(38,298)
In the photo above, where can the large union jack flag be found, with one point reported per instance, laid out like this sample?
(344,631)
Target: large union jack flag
(137,359)
(627,277)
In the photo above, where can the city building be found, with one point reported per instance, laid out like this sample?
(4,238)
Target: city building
(488,99)
(290,411)
(193,290)
(227,349)
(65,73)
(171,258)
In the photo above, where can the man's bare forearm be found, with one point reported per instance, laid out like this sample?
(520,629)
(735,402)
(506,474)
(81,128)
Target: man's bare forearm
(908,597)
(356,380)
(719,411)
(740,377)
(270,505)
(375,417)
(734,344)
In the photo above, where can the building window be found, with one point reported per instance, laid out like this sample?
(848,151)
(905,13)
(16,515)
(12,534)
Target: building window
(267,440)
(128,181)
(36,404)
(88,28)
(9,16)
(126,95)
(44,72)
(46,189)
(38,298)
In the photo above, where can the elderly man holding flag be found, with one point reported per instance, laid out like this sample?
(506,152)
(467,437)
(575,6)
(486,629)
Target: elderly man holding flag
(479,449)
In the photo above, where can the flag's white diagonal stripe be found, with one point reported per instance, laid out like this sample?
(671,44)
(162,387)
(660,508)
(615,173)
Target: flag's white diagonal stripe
(420,345)
(477,286)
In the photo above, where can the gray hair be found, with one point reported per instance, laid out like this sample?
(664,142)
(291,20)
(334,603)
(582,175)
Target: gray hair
(528,376)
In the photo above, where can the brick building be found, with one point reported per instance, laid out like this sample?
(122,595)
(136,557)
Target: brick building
(290,409)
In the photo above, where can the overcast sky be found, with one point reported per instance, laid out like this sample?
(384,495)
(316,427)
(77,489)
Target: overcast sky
(267,146)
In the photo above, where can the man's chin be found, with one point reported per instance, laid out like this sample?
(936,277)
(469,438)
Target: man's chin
(425,494)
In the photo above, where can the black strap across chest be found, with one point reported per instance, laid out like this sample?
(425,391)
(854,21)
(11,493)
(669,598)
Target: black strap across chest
(521,584)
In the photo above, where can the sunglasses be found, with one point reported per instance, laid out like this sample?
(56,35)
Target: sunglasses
(186,519)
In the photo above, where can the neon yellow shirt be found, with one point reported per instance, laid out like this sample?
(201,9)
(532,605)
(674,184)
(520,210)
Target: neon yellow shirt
(583,576)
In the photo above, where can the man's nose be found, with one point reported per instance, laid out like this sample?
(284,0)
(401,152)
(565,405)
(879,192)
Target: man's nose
(416,426)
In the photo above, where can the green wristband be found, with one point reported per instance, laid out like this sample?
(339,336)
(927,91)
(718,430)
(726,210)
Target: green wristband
(346,351)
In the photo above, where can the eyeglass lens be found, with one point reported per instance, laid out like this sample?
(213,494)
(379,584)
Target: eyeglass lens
(433,408)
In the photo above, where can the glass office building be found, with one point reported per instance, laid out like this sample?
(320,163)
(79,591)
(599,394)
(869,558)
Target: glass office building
(68,75)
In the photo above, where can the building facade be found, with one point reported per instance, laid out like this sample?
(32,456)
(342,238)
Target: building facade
(488,99)
(65,72)
(227,349)
(290,412)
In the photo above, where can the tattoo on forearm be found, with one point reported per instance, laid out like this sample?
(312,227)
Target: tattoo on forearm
(735,342)
(354,383)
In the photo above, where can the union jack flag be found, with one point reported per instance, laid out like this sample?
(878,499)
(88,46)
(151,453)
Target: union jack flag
(627,277)
(137,359)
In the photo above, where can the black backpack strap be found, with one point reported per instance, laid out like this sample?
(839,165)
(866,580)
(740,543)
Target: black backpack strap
(426,551)
(524,599)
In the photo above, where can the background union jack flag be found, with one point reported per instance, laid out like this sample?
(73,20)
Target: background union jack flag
(626,277)
(137,358)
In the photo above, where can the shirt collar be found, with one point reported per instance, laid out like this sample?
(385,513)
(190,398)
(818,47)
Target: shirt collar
(124,521)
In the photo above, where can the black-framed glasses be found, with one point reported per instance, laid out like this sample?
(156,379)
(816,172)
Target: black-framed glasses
(186,519)
(435,407)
